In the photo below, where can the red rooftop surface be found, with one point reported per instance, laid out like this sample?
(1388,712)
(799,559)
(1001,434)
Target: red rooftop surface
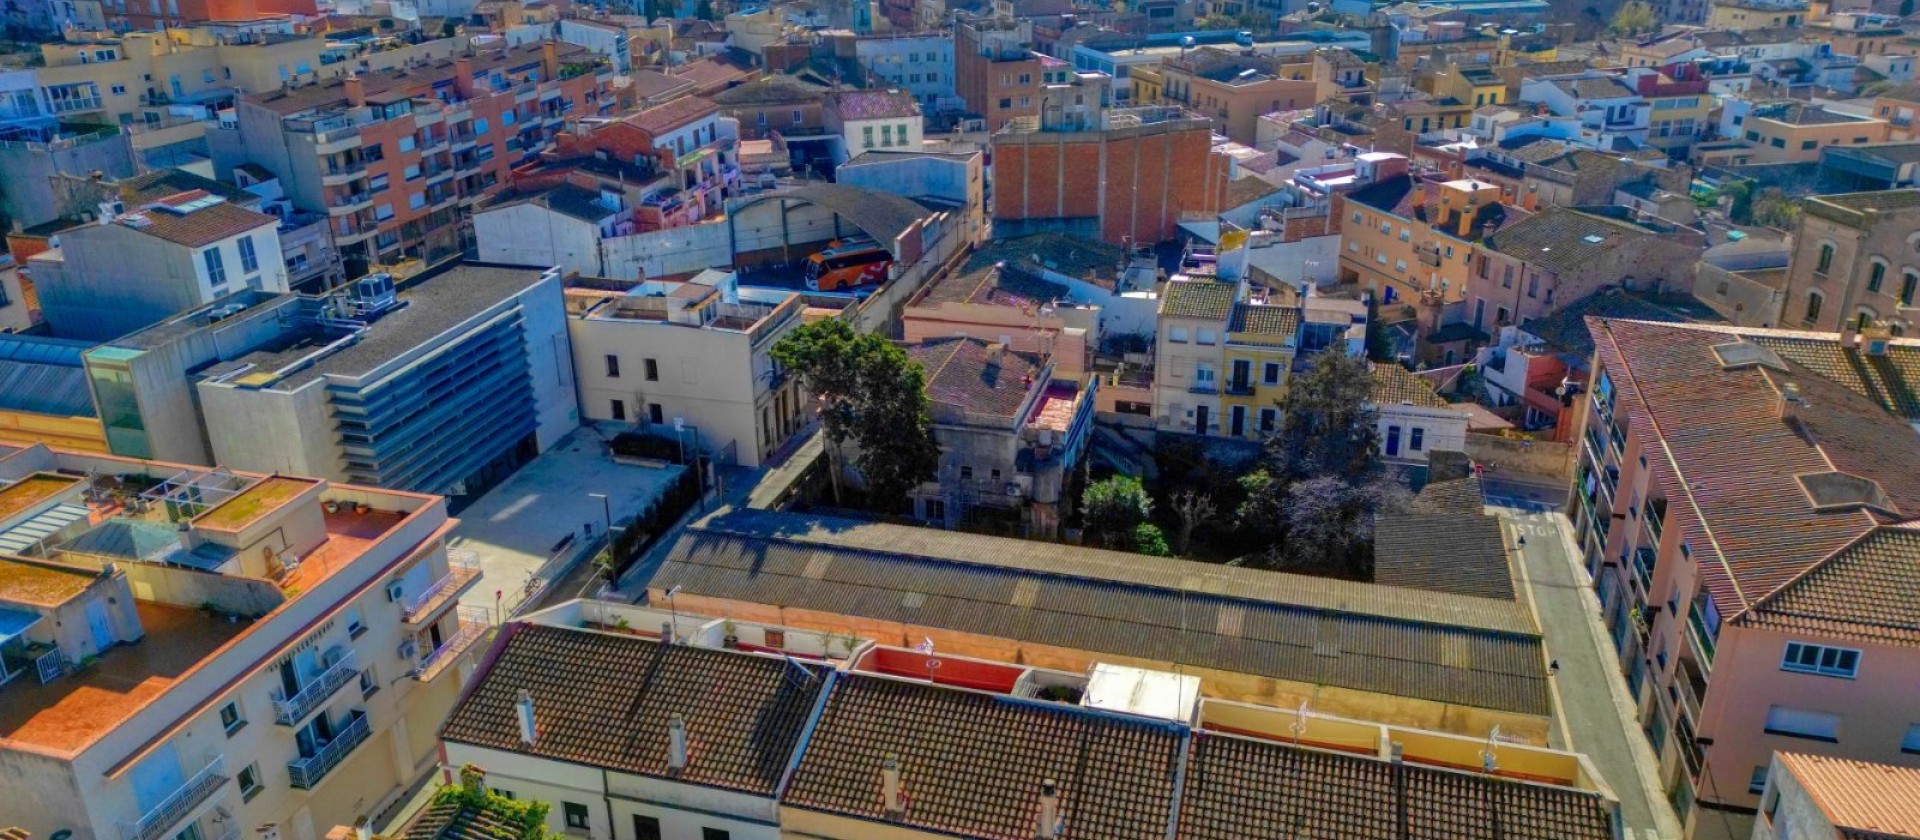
(876,105)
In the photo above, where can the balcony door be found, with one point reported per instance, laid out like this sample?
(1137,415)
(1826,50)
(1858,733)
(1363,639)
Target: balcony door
(1242,375)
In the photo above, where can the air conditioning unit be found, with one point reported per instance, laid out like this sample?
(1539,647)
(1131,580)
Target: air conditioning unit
(395,591)
(409,650)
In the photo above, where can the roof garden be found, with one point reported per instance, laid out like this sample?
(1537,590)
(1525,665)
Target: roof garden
(253,503)
(23,495)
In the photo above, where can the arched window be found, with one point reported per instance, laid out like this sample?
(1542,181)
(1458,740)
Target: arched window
(1826,258)
(1876,275)
(1865,319)
(1909,282)
(1814,301)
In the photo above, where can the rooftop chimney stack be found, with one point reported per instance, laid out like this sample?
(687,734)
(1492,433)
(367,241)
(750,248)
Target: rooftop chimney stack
(1049,810)
(523,709)
(890,793)
(363,829)
(676,744)
(355,90)
(1790,400)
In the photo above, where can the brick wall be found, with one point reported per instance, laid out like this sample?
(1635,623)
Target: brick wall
(1135,182)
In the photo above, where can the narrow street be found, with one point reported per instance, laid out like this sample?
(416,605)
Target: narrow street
(1589,688)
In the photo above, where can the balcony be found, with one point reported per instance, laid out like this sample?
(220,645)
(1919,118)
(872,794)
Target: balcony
(1240,388)
(1204,388)
(1690,684)
(306,772)
(291,711)
(1703,641)
(159,822)
(463,568)
(336,175)
(472,626)
(1643,563)
(349,204)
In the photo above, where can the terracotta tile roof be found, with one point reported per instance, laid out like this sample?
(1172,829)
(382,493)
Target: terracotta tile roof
(772,90)
(1209,299)
(1564,240)
(1862,799)
(1086,259)
(972,764)
(964,373)
(1434,646)
(1892,380)
(668,116)
(200,227)
(1281,322)
(1727,453)
(1244,191)
(875,104)
(1461,553)
(1460,495)
(605,700)
(1869,591)
(994,284)
(1240,788)
(447,818)
(1395,385)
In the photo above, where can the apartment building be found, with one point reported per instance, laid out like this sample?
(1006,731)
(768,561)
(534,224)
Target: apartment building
(1853,263)
(123,15)
(1223,353)
(868,120)
(139,265)
(920,63)
(1404,236)
(1793,132)
(685,139)
(1817,796)
(1233,90)
(155,80)
(778,104)
(996,71)
(1608,109)
(393,158)
(691,354)
(1533,267)
(195,653)
(445,386)
(1897,106)
(1743,498)
(1012,426)
(1742,15)
(856,737)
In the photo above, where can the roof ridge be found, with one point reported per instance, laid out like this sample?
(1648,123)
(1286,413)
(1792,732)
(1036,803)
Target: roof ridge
(1802,575)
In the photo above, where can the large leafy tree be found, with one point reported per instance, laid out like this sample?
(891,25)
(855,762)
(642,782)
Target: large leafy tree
(1114,509)
(869,392)
(1321,483)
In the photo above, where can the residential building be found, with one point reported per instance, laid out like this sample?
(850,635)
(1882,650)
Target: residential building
(1413,421)
(1743,499)
(123,15)
(1233,90)
(36,151)
(777,104)
(604,38)
(857,116)
(196,651)
(693,354)
(1852,264)
(1223,353)
(1818,796)
(1875,166)
(393,157)
(920,63)
(1898,106)
(444,387)
(1079,175)
(997,72)
(1607,107)
(167,77)
(1012,427)
(685,138)
(1742,15)
(1404,235)
(842,736)
(992,299)
(1560,255)
(1793,132)
(142,264)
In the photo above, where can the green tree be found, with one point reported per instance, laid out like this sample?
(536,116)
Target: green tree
(1633,19)
(1775,209)
(1113,508)
(1147,539)
(869,392)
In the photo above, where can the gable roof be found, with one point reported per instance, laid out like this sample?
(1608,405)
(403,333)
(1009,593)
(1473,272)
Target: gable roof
(1208,299)
(974,376)
(1395,385)
(1869,591)
(200,227)
(1864,800)
(673,114)
(1461,553)
(605,700)
(1564,240)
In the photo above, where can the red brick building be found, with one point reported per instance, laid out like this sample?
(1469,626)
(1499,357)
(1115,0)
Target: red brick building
(997,72)
(1126,185)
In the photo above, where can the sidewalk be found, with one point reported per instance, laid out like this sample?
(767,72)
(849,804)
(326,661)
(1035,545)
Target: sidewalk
(1597,714)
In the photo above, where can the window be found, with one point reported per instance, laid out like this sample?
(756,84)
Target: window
(1205,336)
(645,827)
(355,627)
(1814,301)
(378,183)
(796,117)
(406,143)
(1178,334)
(866,136)
(652,370)
(1908,282)
(966,473)
(619,411)
(416,201)
(1795,723)
(373,152)
(1826,258)
(576,814)
(1808,144)
(1203,374)
(119,90)
(1267,419)
(1803,658)
(231,719)
(613,366)
(368,683)
(1506,278)
(216,266)
(1533,285)
(715,834)
(507,117)
(655,414)
(249,259)
(1876,275)
(1271,375)
(1757,783)
(1418,439)
(249,779)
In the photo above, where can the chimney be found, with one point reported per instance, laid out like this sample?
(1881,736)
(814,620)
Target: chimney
(676,744)
(996,351)
(1790,400)
(549,60)
(463,77)
(1849,334)
(363,829)
(523,710)
(890,793)
(1049,810)
(355,89)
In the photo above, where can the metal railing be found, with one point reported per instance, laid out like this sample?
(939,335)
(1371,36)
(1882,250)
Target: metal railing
(306,772)
(291,710)
(1702,640)
(473,624)
(462,566)
(157,821)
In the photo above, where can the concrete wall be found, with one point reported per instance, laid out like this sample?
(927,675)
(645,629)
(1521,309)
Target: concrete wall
(613,799)
(114,280)
(543,327)
(1536,457)
(531,235)
(26,168)
(1440,428)
(191,588)
(1746,298)
(667,252)
(706,377)
(271,431)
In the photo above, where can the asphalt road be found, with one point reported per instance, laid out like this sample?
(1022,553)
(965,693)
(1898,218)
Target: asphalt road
(1590,690)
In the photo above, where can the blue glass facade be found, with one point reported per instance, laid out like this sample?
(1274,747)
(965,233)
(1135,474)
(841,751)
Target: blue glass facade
(442,418)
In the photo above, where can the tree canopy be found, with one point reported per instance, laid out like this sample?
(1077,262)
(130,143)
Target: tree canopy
(869,392)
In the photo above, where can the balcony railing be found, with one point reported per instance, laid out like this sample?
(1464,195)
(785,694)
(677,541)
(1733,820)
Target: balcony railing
(1204,388)
(291,710)
(462,567)
(472,626)
(1702,640)
(1643,562)
(1240,388)
(159,821)
(306,772)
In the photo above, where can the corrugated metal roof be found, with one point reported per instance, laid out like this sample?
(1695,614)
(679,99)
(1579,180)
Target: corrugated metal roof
(44,376)
(1427,645)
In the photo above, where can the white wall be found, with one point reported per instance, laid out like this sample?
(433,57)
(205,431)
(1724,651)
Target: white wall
(543,325)
(527,234)
(613,800)
(1441,428)
(673,251)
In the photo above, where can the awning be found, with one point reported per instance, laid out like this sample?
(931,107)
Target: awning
(15,622)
